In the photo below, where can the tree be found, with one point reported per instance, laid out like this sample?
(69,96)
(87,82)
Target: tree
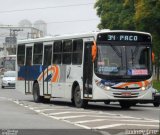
(147,18)
(116,14)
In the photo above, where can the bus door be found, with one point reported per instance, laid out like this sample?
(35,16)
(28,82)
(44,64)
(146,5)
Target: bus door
(28,71)
(87,70)
(47,73)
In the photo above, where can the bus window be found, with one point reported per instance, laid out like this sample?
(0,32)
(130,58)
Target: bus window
(37,55)
(67,52)
(77,51)
(29,56)
(47,55)
(20,54)
(57,52)
(144,57)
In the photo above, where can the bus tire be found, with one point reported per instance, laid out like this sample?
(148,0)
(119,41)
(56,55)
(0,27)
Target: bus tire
(79,103)
(72,100)
(156,104)
(36,94)
(125,104)
(107,102)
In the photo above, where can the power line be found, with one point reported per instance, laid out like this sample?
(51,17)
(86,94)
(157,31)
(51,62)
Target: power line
(62,6)
(68,21)
(93,19)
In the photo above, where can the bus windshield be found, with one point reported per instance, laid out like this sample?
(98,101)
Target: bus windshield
(123,60)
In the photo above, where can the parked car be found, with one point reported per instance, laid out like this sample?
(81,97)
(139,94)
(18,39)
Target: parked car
(9,79)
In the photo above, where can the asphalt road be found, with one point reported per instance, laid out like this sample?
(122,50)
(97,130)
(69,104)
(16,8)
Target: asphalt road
(18,111)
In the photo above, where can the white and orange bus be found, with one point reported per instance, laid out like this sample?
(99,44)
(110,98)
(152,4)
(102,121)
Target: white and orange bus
(106,65)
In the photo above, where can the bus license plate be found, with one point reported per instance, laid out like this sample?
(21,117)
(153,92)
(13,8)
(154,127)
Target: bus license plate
(126,94)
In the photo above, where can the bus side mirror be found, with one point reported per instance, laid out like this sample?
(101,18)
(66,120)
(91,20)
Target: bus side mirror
(94,51)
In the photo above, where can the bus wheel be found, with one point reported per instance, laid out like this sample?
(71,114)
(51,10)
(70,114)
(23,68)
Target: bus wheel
(107,102)
(156,104)
(36,95)
(79,103)
(125,104)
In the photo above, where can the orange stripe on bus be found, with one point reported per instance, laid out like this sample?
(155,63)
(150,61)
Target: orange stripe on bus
(127,84)
(55,76)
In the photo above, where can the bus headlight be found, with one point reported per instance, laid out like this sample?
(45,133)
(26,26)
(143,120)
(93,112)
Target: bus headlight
(147,87)
(108,88)
(143,88)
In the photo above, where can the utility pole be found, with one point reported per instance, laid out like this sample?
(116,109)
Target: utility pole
(11,41)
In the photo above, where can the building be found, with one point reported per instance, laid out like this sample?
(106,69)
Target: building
(10,34)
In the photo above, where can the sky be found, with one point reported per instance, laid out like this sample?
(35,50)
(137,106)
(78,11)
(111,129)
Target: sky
(61,16)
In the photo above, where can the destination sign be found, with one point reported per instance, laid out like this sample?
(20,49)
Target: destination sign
(128,37)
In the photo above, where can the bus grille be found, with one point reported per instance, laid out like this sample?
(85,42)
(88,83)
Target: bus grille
(122,95)
(127,88)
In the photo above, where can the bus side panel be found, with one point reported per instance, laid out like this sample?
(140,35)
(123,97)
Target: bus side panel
(58,80)
(73,73)
(44,79)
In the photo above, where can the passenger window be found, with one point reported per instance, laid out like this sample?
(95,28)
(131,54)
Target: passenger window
(28,56)
(67,52)
(57,52)
(77,51)
(37,54)
(47,55)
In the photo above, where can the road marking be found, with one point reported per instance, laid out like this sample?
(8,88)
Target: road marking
(62,108)
(117,117)
(59,113)
(144,125)
(97,120)
(150,108)
(67,112)
(115,125)
(107,126)
(3,97)
(99,116)
(71,117)
(88,121)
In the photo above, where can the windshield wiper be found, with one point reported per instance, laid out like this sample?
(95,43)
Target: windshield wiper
(116,50)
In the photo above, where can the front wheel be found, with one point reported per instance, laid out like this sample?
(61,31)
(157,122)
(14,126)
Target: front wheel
(156,104)
(107,102)
(125,104)
(79,103)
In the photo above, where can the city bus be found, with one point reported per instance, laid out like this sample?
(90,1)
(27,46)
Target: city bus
(99,66)
(7,63)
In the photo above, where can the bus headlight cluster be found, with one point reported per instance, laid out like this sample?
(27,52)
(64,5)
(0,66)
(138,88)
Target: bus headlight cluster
(143,88)
(147,87)
(107,88)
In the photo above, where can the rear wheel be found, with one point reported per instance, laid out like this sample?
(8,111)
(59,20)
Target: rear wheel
(3,87)
(79,103)
(36,94)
